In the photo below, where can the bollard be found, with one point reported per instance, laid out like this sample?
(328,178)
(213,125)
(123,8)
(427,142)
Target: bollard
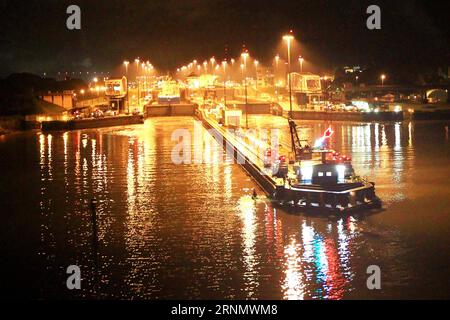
(255,195)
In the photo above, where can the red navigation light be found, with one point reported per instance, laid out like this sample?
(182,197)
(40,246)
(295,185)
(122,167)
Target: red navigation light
(282,158)
(328,133)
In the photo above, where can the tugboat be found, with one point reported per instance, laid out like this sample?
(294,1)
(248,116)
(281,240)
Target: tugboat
(319,179)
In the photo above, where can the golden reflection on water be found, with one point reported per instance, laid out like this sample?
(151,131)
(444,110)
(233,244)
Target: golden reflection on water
(293,285)
(193,230)
(247,214)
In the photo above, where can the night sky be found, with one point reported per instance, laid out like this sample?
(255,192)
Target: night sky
(34,38)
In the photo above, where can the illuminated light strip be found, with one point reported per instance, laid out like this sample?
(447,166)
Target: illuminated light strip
(247,160)
(229,136)
(336,192)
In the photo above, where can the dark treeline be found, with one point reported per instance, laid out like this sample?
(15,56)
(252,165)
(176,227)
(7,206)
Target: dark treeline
(19,92)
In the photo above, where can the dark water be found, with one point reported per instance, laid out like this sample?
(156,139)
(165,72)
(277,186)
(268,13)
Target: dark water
(192,230)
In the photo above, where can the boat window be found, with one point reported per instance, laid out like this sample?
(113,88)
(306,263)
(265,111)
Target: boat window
(320,174)
(329,174)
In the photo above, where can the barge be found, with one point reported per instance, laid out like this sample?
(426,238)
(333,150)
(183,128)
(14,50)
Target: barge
(309,179)
(319,179)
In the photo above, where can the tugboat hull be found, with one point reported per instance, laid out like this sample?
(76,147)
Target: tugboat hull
(336,198)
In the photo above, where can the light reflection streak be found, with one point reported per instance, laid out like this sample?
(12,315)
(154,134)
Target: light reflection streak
(49,157)
(269,227)
(41,150)
(377,138)
(321,266)
(335,282)
(293,286)
(398,158)
(247,213)
(227,180)
(397,146)
(410,139)
(141,150)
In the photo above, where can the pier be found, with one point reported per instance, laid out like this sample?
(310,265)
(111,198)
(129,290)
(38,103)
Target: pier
(76,124)
(187,109)
(242,152)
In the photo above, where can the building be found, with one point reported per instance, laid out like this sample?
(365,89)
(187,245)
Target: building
(116,91)
(63,99)
(306,87)
(170,92)
(203,81)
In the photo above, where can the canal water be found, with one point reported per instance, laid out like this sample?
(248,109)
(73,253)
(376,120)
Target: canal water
(176,231)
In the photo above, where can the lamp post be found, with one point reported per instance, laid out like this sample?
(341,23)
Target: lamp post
(145,69)
(137,82)
(224,65)
(288,38)
(277,59)
(256,82)
(213,60)
(244,56)
(126,63)
(300,60)
(232,65)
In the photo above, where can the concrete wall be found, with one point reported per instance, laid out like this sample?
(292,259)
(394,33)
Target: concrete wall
(62,100)
(91,102)
(347,116)
(91,123)
(255,108)
(169,110)
(428,115)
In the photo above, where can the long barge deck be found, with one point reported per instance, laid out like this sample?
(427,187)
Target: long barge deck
(346,197)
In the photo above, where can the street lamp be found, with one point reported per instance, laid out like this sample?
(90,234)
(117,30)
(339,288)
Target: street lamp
(256,71)
(126,63)
(224,65)
(244,56)
(144,68)
(288,38)
(137,65)
(277,61)
(232,65)
(382,77)
(212,63)
(137,82)
(300,60)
